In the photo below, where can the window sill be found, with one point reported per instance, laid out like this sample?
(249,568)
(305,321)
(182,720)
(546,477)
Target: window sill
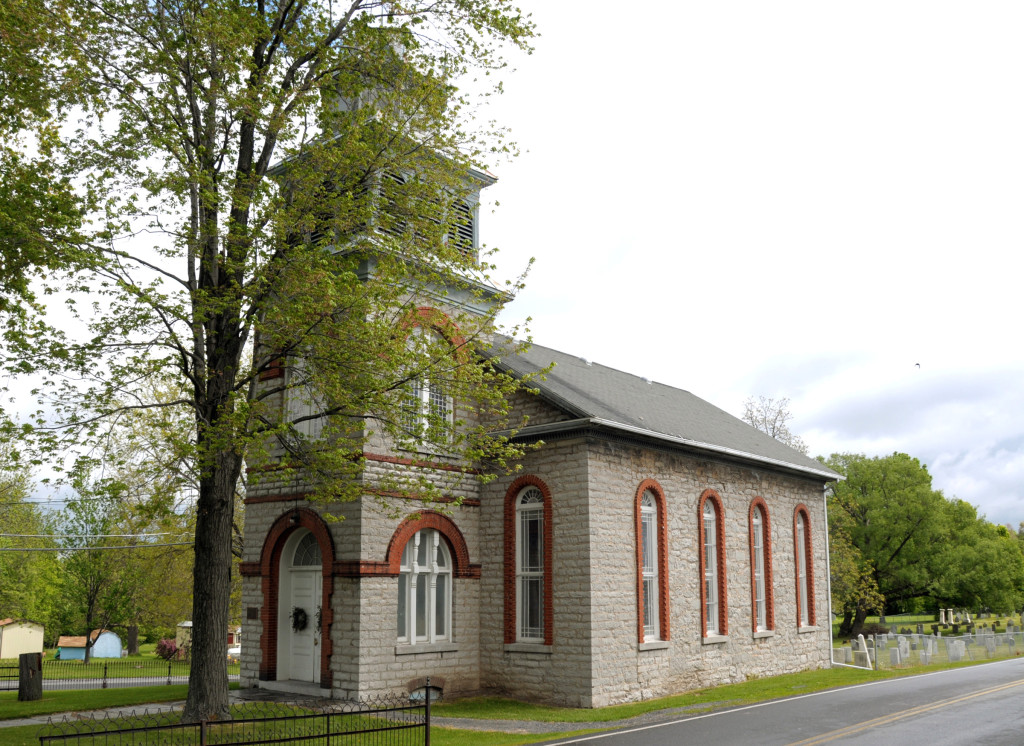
(528,647)
(806,630)
(653,645)
(435,647)
(762,633)
(714,639)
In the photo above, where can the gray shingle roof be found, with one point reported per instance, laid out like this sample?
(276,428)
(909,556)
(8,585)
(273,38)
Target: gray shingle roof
(618,400)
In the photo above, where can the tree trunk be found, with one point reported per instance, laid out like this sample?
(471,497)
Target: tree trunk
(211,589)
(846,626)
(133,639)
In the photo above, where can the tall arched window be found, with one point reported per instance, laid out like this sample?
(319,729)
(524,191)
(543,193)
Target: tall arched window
(425,590)
(529,615)
(530,565)
(714,603)
(652,563)
(804,567)
(763,612)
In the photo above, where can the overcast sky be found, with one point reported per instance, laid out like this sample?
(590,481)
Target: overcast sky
(789,199)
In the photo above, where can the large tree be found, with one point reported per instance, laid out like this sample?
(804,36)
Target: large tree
(896,520)
(151,238)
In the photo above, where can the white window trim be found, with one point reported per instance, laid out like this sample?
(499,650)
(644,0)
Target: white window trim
(760,588)
(710,579)
(433,570)
(424,390)
(803,605)
(649,553)
(535,574)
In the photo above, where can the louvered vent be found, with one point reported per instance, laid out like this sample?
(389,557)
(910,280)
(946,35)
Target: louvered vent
(461,231)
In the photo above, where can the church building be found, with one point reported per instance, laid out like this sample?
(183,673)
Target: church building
(651,545)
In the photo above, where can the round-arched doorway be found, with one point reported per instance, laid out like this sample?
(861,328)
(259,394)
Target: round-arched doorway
(300,591)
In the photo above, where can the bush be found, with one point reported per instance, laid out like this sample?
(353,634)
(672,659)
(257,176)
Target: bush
(167,649)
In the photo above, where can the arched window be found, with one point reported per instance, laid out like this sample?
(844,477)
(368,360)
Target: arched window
(530,565)
(427,411)
(804,567)
(425,590)
(763,612)
(307,553)
(652,563)
(714,606)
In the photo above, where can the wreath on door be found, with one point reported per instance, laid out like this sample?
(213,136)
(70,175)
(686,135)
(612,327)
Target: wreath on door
(299,619)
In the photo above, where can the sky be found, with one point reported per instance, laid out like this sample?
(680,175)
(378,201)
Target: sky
(818,201)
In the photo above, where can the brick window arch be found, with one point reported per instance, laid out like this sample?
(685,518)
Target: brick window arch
(804,566)
(714,608)
(529,615)
(449,532)
(761,585)
(651,562)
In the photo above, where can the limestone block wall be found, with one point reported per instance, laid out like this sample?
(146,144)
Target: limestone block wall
(382,664)
(625,670)
(561,673)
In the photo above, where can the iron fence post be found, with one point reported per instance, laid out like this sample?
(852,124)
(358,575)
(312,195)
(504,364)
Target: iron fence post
(104,675)
(426,715)
(202,732)
(168,673)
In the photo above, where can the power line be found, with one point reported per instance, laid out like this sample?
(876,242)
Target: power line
(92,536)
(89,549)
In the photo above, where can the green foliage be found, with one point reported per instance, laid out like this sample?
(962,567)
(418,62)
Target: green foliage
(188,263)
(895,538)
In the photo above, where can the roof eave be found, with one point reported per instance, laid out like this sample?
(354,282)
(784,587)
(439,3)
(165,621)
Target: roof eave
(554,427)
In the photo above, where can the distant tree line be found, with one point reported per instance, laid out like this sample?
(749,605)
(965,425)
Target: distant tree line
(897,544)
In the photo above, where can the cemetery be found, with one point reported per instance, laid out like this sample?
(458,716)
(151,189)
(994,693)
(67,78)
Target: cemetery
(956,637)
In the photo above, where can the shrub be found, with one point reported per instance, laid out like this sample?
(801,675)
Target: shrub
(167,649)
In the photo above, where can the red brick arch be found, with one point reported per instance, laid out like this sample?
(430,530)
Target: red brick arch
(511,496)
(662,559)
(766,562)
(801,510)
(444,526)
(723,606)
(270,571)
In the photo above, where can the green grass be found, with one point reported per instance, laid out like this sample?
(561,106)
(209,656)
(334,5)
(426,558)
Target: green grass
(83,700)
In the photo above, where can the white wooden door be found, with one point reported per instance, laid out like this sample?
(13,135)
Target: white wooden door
(307,586)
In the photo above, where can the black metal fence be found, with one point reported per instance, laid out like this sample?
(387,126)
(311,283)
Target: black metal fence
(391,721)
(8,678)
(108,673)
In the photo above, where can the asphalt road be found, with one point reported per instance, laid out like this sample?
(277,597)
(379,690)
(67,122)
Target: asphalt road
(980,704)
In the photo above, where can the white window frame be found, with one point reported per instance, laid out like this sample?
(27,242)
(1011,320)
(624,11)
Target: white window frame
(711,616)
(435,577)
(760,591)
(803,591)
(649,552)
(530,510)
(426,402)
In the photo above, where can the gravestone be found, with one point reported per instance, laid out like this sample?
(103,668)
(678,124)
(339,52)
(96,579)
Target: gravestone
(926,657)
(894,657)
(942,616)
(920,628)
(990,645)
(903,645)
(956,629)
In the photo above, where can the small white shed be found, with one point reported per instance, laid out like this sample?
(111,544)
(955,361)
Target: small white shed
(19,636)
